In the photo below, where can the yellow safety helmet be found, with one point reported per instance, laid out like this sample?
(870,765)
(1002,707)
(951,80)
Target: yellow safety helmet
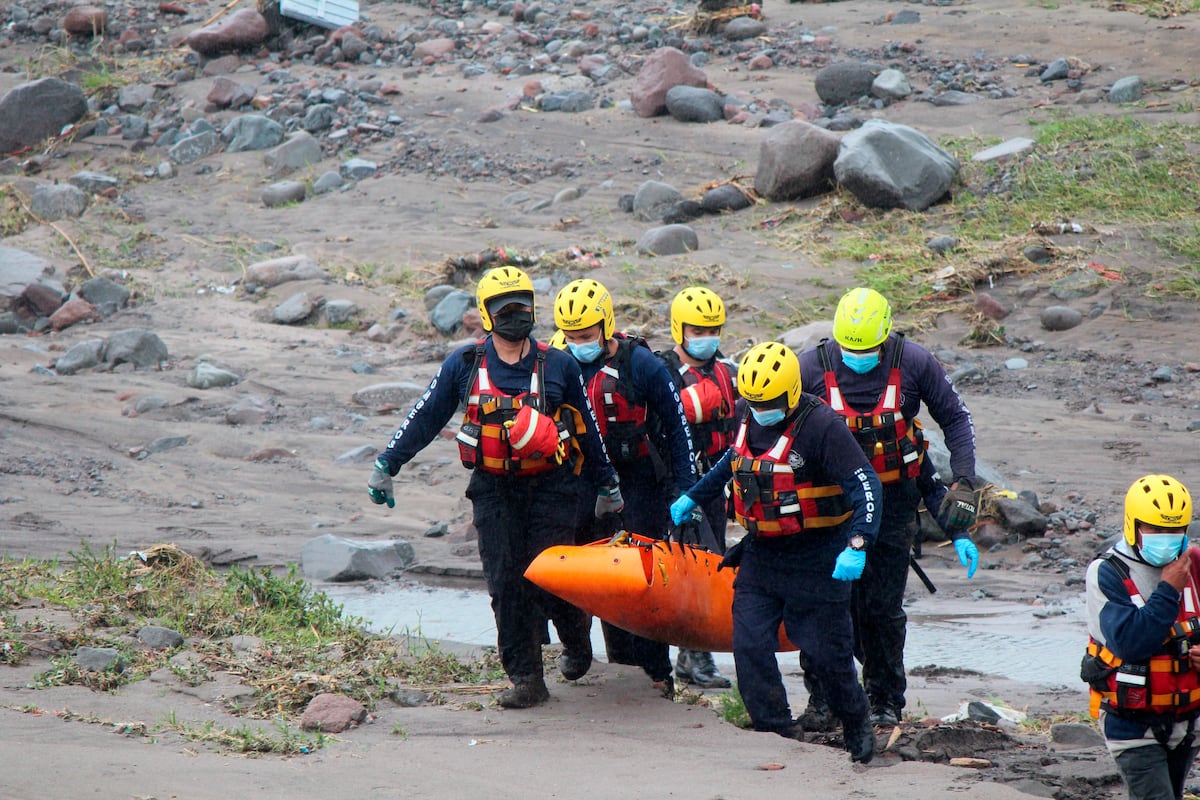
(558,341)
(769,370)
(1158,500)
(581,304)
(697,306)
(863,320)
(500,286)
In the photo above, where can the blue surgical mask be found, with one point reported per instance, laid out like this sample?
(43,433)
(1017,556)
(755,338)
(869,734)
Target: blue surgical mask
(772,416)
(702,348)
(862,363)
(586,353)
(1160,549)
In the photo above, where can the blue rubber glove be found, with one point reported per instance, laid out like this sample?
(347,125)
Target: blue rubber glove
(850,564)
(379,487)
(968,555)
(681,509)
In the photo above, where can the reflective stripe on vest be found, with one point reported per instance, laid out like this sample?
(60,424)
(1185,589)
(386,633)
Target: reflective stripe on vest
(770,499)
(895,447)
(714,437)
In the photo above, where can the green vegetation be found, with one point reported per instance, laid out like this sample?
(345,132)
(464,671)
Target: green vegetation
(733,708)
(1160,9)
(1091,171)
(308,646)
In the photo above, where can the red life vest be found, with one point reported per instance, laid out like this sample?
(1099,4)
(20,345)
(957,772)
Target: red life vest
(770,497)
(620,411)
(483,437)
(713,436)
(1163,685)
(894,446)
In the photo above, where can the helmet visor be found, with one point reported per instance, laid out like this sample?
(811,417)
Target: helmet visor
(495,304)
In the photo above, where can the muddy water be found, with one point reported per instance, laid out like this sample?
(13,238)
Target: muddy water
(1040,645)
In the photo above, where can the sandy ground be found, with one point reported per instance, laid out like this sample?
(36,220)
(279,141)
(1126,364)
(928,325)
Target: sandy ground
(1074,426)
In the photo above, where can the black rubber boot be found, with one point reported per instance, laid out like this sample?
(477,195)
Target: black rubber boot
(817,717)
(884,717)
(524,693)
(574,664)
(860,740)
(702,671)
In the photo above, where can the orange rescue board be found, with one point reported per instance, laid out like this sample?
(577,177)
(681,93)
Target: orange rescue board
(666,592)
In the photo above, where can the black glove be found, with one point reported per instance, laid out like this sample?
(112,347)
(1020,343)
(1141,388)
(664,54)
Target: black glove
(960,506)
(733,556)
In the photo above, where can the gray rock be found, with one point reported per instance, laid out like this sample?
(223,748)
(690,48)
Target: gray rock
(58,201)
(157,637)
(281,193)
(296,309)
(363,454)
(356,169)
(194,148)
(886,165)
(150,402)
(165,443)
(654,198)
(942,244)
(319,117)
(1127,90)
(133,96)
(891,84)
(1013,147)
(1015,363)
(1060,318)
(807,336)
(954,98)
(668,240)
(694,104)
(434,295)
(36,110)
(383,395)
(725,197)
(328,182)
(796,160)
(845,81)
(206,376)
(338,312)
(106,295)
(99,659)
(1075,734)
(1020,517)
(740,28)
(283,270)
(1056,70)
(1078,284)
(447,315)
(298,151)
(81,355)
(333,558)
(135,346)
(93,182)
(248,410)
(251,132)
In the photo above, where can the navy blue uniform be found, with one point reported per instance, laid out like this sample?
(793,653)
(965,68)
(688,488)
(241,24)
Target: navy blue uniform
(516,516)
(878,596)
(647,499)
(789,579)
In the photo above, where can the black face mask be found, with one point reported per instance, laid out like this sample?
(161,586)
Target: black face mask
(515,326)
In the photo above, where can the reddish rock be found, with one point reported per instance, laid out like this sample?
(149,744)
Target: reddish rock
(71,312)
(589,64)
(336,36)
(40,300)
(472,324)
(518,12)
(433,48)
(222,65)
(591,30)
(172,8)
(228,93)
(990,307)
(760,62)
(533,88)
(240,30)
(85,21)
(332,713)
(662,70)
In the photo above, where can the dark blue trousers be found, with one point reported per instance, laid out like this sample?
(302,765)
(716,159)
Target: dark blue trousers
(517,517)
(789,580)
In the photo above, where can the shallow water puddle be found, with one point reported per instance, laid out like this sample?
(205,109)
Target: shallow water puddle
(1031,644)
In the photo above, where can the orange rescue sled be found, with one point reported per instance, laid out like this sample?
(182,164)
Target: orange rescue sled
(664,591)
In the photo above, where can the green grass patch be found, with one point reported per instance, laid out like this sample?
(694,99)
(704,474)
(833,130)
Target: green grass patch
(1159,9)
(306,645)
(1094,171)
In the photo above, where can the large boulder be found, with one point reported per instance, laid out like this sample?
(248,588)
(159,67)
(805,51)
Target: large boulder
(333,558)
(887,165)
(238,31)
(795,160)
(19,269)
(663,69)
(33,111)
